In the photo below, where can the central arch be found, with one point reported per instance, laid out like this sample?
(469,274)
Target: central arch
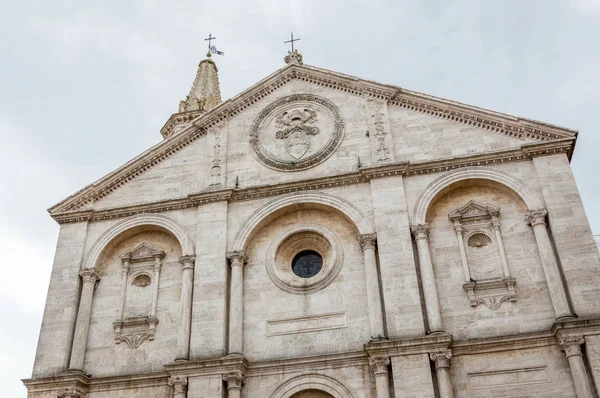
(272,209)
(312,382)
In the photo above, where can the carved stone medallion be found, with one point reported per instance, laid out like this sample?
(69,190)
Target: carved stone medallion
(296,132)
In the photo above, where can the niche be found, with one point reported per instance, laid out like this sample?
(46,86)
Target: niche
(140,276)
(487,277)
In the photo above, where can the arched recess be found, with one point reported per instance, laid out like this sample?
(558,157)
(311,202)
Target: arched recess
(139,220)
(297,201)
(313,381)
(438,186)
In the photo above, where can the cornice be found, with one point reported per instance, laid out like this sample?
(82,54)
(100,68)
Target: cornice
(409,346)
(362,175)
(210,366)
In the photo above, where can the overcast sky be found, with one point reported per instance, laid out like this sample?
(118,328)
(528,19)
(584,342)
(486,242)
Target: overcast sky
(85,87)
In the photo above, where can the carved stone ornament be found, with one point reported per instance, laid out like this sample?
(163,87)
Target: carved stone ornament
(571,344)
(296,132)
(367,241)
(71,392)
(441,359)
(135,331)
(187,261)
(237,258)
(89,275)
(293,58)
(179,384)
(379,365)
(234,380)
(536,217)
(420,231)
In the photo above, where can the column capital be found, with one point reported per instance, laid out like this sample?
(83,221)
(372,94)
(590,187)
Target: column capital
(536,217)
(187,260)
(89,275)
(237,258)
(367,241)
(571,344)
(379,365)
(420,231)
(234,380)
(71,392)
(441,358)
(179,383)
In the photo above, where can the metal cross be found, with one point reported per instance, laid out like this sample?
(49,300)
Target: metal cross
(292,40)
(210,38)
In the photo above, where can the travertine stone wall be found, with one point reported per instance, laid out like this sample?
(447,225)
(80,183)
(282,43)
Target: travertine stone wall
(209,310)
(571,232)
(396,258)
(280,330)
(58,323)
(105,358)
(532,310)
(412,376)
(535,372)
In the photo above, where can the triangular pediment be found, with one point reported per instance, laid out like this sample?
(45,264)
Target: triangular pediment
(472,210)
(191,125)
(143,252)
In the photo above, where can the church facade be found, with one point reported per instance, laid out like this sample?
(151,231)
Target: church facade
(322,235)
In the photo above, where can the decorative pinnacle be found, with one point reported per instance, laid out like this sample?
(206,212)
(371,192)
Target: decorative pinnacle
(293,57)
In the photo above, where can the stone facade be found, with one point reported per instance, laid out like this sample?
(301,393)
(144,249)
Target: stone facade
(455,257)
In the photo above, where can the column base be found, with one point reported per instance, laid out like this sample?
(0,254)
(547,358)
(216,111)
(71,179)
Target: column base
(566,318)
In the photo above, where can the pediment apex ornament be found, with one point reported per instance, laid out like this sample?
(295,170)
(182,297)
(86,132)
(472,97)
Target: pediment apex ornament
(296,132)
(293,58)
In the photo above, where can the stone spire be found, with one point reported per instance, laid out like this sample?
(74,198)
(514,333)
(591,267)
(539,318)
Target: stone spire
(205,93)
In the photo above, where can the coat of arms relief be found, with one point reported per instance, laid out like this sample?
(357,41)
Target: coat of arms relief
(296,132)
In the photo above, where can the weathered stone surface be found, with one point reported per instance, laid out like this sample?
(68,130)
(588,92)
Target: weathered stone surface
(428,215)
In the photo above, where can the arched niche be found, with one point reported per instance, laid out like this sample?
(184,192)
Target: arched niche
(315,383)
(298,201)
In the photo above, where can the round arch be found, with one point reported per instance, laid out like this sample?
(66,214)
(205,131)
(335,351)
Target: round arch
(269,210)
(139,220)
(531,199)
(313,381)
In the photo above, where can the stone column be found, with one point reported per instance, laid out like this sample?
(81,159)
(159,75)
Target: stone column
(185,314)
(537,219)
(432,305)
(571,345)
(442,370)
(89,278)
(367,244)
(124,275)
(380,369)
(179,384)
(458,228)
(234,384)
(501,251)
(236,302)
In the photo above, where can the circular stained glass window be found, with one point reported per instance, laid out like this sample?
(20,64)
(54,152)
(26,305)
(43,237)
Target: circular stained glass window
(307,264)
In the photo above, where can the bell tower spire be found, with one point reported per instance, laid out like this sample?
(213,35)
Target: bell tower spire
(205,93)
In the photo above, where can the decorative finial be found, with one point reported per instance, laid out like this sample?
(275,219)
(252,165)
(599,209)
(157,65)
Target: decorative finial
(212,49)
(293,57)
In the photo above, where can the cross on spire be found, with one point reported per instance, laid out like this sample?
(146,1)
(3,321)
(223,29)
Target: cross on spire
(209,39)
(292,40)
